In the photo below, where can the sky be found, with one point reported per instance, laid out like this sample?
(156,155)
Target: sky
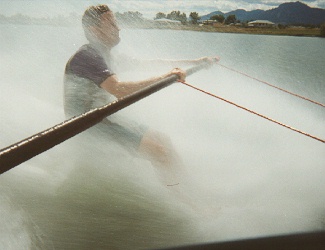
(149,8)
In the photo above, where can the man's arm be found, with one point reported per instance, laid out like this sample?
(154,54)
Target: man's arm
(184,62)
(127,63)
(120,89)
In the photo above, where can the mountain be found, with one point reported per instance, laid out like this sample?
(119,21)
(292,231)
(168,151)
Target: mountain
(295,13)
(287,13)
(246,15)
(207,17)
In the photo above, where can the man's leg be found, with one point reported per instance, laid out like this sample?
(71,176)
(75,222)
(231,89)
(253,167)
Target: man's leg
(153,145)
(159,150)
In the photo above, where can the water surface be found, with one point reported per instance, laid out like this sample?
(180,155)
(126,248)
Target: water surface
(249,177)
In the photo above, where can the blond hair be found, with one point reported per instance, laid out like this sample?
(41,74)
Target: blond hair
(91,18)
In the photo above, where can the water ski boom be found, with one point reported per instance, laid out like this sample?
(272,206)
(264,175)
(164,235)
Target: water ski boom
(26,149)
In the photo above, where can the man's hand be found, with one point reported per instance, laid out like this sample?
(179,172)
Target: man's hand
(180,73)
(208,60)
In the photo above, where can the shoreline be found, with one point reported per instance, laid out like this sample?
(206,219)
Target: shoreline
(288,31)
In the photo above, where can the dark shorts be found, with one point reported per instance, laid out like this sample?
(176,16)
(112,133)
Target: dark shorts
(128,137)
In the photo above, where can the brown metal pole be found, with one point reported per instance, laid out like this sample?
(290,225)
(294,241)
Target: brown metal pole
(26,149)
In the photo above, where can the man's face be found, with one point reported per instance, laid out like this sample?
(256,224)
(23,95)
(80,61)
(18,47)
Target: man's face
(108,32)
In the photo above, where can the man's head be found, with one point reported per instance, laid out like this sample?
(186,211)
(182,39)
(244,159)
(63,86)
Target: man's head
(100,26)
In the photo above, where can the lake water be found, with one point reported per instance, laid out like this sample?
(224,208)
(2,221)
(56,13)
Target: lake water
(249,177)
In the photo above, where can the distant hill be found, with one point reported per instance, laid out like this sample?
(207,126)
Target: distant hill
(207,17)
(286,13)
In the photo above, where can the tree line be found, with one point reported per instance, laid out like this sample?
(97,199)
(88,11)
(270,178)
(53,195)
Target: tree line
(226,20)
(194,17)
(178,16)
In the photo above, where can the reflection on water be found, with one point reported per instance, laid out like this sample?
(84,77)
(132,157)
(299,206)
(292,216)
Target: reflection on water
(248,177)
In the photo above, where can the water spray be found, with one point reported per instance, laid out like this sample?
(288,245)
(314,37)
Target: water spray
(28,148)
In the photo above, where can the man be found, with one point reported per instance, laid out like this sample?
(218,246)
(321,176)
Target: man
(90,82)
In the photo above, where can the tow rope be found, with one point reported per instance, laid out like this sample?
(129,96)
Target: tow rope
(253,112)
(273,86)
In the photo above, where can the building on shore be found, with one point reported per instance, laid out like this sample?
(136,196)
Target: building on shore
(261,24)
(208,22)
